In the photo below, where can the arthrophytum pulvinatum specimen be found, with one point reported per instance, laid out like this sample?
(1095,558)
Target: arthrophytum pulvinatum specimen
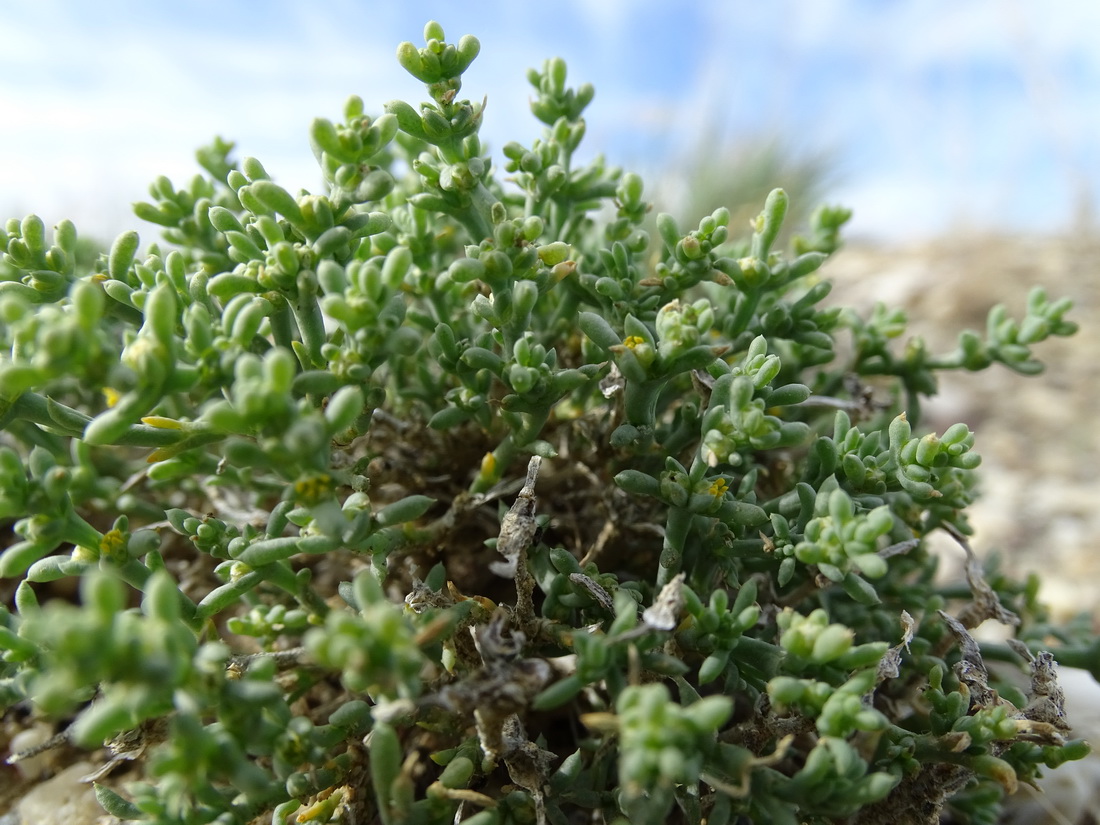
(455,494)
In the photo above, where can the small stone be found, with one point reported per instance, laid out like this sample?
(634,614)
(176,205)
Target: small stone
(62,800)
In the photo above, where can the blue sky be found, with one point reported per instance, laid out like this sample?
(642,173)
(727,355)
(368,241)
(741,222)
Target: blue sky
(942,115)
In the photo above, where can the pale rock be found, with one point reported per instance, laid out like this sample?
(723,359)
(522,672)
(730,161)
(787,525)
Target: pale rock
(1070,795)
(62,800)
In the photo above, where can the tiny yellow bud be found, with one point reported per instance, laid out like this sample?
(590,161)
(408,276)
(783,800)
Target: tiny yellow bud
(313,489)
(113,545)
(162,423)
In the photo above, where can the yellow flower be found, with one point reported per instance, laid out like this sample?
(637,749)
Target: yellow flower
(113,546)
(718,487)
(312,489)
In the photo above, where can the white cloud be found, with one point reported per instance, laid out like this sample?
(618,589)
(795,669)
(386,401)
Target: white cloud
(95,121)
(98,100)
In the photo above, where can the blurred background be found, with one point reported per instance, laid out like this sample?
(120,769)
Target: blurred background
(923,117)
(964,135)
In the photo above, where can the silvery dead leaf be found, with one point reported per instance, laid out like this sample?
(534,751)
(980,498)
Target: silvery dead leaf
(971,669)
(1047,699)
(528,765)
(492,643)
(613,382)
(596,591)
(518,528)
(986,603)
(890,665)
(664,614)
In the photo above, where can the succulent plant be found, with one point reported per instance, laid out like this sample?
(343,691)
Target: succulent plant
(450,495)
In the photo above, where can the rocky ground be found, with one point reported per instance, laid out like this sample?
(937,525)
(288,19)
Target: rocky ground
(1038,436)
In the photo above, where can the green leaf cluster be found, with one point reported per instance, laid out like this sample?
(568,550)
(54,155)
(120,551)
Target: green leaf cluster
(257,477)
